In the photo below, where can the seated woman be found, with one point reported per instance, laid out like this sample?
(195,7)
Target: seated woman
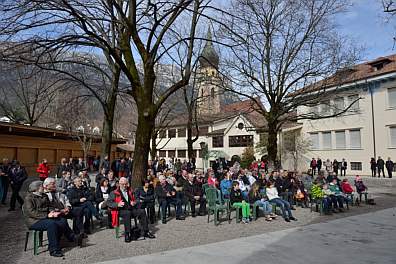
(336,195)
(300,194)
(101,196)
(212,180)
(238,202)
(272,194)
(256,198)
(317,193)
(146,197)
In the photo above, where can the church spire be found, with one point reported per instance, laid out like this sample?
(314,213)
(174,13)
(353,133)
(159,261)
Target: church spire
(209,56)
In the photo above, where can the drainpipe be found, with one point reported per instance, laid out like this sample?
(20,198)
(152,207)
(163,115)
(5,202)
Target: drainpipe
(372,118)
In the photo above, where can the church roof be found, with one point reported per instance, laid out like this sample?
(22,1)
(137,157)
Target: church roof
(209,56)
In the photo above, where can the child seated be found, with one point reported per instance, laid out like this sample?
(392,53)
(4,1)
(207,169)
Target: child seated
(238,202)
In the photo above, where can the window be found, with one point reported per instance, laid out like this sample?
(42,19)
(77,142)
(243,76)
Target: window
(181,132)
(392,97)
(171,133)
(162,134)
(314,140)
(162,154)
(339,104)
(392,131)
(354,138)
(181,153)
(240,141)
(355,100)
(356,166)
(171,153)
(340,139)
(217,142)
(326,140)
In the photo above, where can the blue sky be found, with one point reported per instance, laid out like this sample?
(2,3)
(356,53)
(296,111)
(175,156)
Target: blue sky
(366,24)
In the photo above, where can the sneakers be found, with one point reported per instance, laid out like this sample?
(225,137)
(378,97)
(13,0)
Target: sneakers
(245,220)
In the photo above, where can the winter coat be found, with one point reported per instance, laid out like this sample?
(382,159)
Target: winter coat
(225,187)
(75,194)
(43,170)
(317,191)
(114,198)
(17,175)
(236,196)
(35,208)
(346,187)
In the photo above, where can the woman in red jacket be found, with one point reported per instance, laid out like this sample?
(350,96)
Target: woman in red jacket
(43,170)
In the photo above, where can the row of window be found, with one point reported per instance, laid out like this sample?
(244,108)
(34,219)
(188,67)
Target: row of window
(357,166)
(340,139)
(337,105)
(181,153)
(181,132)
(233,141)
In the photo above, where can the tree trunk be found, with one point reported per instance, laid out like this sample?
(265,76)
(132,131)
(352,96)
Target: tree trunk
(190,141)
(272,145)
(109,110)
(142,148)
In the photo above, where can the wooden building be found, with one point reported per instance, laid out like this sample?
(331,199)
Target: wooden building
(30,145)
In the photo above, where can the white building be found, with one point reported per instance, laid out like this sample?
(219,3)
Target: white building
(367,129)
(227,129)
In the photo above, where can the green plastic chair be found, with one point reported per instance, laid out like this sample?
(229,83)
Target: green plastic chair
(318,202)
(37,236)
(215,205)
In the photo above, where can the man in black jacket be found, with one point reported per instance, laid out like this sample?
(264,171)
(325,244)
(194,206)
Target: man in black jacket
(380,166)
(389,167)
(194,193)
(17,175)
(81,199)
(166,195)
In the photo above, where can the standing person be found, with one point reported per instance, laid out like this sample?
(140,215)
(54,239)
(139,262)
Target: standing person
(389,167)
(123,203)
(380,166)
(344,165)
(106,164)
(335,167)
(4,180)
(319,164)
(313,166)
(63,166)
(373,166)
(328,165)
(17,175)
(43,170)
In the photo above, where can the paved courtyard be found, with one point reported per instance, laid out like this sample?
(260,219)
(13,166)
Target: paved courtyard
(103,246)
(361,239)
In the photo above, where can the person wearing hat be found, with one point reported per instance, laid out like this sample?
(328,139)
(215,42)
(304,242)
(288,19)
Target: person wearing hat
(39,216)
(17,175)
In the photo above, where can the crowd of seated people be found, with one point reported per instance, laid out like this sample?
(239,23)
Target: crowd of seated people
(175,186)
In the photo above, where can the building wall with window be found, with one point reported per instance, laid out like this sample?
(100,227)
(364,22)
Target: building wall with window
(366,130)
(217,134)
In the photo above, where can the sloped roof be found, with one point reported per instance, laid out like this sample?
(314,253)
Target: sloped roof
(352,74)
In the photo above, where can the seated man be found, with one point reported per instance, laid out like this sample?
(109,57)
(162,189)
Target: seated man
(123,203)
(166,195)
(194,193)
(81,199)
(65,182)
(39,217)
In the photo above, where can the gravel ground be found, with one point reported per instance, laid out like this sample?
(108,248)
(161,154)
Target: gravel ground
(102,245)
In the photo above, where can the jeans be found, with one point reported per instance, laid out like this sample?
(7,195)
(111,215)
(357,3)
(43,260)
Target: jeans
(245,208)
(127,216)
(284,205)
(4,182)
(55,229)
(287,196)
(164,205)
(337,201)
(15,195)
(267,208)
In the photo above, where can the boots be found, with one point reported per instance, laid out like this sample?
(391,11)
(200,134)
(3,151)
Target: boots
(127,237)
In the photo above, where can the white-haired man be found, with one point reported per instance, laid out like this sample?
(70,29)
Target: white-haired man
(123,203)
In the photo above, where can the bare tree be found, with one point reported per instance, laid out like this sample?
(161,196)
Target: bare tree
(129,32)
(278,47)
(27,91)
